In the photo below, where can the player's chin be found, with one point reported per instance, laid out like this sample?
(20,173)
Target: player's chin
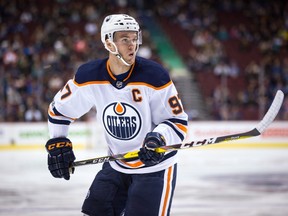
(130,59)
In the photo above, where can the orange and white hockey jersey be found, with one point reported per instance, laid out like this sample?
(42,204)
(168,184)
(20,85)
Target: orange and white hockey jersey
(128,106)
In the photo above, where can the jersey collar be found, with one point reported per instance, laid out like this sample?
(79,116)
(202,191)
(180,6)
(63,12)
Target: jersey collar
(113,79)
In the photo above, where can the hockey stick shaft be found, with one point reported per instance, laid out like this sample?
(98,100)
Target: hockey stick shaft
(258,130)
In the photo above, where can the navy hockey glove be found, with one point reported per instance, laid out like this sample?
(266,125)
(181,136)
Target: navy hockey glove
(60,157)
(147,153)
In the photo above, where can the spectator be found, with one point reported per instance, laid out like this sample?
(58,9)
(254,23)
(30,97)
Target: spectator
(222,69)
(33,114)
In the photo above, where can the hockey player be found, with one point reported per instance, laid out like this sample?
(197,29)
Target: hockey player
(138,106)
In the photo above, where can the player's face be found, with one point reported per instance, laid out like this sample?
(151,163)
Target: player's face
(126,42)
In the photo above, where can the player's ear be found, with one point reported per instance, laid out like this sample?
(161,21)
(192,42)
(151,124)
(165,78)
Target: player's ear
(110,45)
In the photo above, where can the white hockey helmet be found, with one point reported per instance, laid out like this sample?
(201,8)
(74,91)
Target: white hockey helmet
(119,22)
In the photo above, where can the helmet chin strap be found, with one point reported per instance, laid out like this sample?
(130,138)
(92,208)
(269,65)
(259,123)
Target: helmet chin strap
(116,53)
(123,61)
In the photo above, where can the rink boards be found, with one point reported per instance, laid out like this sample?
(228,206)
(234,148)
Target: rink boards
(87,135)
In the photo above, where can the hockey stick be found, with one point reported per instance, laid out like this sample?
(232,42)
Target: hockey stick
(258,130)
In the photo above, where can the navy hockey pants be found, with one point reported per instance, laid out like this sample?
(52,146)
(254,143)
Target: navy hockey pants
(112,193)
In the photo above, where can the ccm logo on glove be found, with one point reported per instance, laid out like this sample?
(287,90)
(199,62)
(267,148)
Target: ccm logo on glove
(59,145)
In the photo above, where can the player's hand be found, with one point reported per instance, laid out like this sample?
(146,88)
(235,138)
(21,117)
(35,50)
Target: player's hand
(147,153)
(60,157)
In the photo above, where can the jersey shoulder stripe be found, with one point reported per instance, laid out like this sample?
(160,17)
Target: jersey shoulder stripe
(91,72)
(149,72)
(144,72)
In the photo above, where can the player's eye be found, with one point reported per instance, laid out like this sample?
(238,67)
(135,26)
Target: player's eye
(125,40)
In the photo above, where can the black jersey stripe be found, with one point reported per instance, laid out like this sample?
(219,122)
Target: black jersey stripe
(56,121)
(57,112)
(181,136)
(180,121)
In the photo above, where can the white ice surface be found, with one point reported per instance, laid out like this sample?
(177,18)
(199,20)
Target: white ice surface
(211,182)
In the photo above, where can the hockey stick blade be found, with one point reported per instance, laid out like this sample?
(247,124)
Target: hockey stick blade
(272,112)
(258,130)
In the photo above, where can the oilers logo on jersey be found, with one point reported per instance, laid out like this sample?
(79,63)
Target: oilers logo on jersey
(121,120)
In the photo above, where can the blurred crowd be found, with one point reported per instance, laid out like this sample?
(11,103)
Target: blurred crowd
(43,42)
(255,29)
(42,45)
